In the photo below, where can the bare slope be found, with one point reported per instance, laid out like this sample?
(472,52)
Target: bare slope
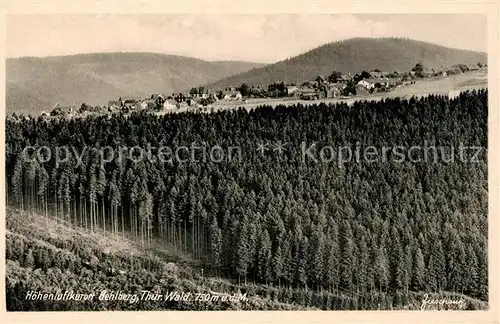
(355,55)
(36,84)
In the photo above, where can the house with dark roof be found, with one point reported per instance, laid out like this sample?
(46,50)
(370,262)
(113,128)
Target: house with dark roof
(115,103)
(428,72)
(310,84)
(306,93)
(473,67)
(345,78)
(454,70)
(320,79)
(59,110)
(376,74)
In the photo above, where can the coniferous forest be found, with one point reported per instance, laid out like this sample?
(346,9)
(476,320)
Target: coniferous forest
(266,216)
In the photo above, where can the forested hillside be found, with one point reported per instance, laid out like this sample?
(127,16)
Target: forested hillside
(35,84)
(355,55)
(45,255)
(368,231)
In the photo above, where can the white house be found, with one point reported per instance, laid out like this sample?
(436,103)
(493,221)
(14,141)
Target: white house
(202,95)
(366,84)
(232,95)
(169,105)
(148,104)
(290,90)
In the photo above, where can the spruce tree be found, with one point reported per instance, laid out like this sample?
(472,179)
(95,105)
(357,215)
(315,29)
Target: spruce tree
(347,257)
(264,257)
(277,265)
(418,281)
(215,243)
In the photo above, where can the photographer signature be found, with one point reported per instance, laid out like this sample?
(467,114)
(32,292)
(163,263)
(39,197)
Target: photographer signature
(435,303)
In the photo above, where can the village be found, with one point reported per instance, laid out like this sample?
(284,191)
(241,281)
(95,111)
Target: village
(201,99)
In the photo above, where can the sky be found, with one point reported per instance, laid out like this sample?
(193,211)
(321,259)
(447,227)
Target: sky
(256,38)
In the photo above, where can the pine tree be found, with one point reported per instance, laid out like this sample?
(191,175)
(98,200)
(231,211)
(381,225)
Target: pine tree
(100,190)
(29,260)
(146,214)
(134,199)
(17,182)
(436,267)
(381,272)
(66,194)
(316,257)
(114,198)
(216,243)
(482,257)
(301,262)
(363,281)
(43,184)
(347,257)
(396,260)
(264,257)
(278,265)
(418,281)
(93,200)
(287,259)
(431,275)
(455,256)
(243,249)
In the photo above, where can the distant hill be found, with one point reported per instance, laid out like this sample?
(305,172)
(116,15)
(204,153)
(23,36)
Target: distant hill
(355,55)
(35,84)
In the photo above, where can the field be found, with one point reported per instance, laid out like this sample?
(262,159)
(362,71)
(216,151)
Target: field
(438,85)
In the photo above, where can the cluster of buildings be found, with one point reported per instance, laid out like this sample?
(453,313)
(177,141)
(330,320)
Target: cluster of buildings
(335,85)
(369,82)
(343,85)
(156,102)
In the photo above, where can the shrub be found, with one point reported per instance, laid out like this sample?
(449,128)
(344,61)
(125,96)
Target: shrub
(29,260)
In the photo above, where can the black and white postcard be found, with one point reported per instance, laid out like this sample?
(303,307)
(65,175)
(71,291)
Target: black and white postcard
(297,159)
